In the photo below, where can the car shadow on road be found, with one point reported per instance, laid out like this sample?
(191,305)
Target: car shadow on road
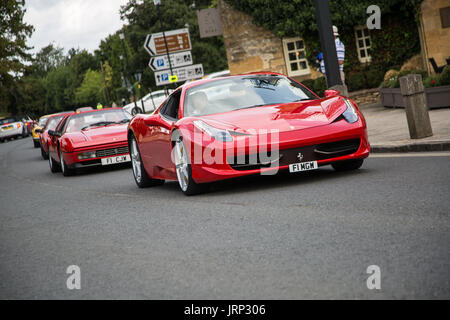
(282,179)
(102,169)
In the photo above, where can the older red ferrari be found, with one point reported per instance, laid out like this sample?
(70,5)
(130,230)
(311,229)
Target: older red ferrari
(51,124)
(89,138)
(229,127)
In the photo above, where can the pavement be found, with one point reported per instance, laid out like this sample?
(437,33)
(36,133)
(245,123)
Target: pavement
(292,236)
(388,130)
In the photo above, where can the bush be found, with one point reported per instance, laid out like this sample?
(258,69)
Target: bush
(374,77)
(356,81)
(320,85)
(395,83)
(444,77)
(423,73)
(431,81)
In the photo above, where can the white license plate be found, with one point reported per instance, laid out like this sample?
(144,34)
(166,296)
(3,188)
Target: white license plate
(303,166)
(114,160)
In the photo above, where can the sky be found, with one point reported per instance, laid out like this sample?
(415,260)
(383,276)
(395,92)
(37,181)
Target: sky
(72,23)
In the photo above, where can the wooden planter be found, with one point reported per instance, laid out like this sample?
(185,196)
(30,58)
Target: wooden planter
(437,97)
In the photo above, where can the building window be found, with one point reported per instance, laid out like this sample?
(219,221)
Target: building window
(363,44)
(295,56)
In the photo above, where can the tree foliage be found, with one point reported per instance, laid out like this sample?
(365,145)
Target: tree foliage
(57,81)
(91,90)
(13,49)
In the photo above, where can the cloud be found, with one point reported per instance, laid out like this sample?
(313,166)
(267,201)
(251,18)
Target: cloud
(72,23)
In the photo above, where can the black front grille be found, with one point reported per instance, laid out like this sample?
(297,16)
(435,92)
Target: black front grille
(295,155)
(337,149)
(111,152)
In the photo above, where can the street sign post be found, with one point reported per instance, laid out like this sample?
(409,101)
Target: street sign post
(184,73)
(177,40)
(178,59)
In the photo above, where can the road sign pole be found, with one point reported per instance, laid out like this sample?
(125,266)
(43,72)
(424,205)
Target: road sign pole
(164,36)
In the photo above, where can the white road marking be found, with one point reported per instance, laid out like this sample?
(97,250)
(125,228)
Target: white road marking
(410,154)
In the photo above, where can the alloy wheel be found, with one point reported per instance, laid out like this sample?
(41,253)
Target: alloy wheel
(181,164)
(136,161)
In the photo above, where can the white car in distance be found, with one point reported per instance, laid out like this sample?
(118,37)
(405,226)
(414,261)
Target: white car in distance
(151,102)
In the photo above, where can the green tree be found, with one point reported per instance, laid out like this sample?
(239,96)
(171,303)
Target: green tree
(13,49)
(79,61)
(49,58)
(91,90)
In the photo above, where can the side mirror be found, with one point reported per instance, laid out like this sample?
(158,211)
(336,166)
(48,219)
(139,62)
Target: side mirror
(331,93)
(38,130)
(155,120)
(54,133)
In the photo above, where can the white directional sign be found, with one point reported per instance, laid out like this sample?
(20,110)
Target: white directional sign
(178,59)
(184,73)
(177,40)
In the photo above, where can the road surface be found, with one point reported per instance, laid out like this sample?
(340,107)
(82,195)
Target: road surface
(304,236)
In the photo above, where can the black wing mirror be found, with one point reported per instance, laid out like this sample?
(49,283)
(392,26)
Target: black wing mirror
(54,133)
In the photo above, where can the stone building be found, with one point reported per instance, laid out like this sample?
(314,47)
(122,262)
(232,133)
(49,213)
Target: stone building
(435,31)
(252,48)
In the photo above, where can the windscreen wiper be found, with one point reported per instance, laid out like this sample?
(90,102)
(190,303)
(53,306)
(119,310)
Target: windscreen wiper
(123,121)
(98,124)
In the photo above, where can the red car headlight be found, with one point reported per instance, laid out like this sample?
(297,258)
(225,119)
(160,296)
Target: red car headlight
(350,113)
(218,134)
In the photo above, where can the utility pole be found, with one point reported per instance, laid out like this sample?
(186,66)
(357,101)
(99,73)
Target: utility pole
(327,43)
(106,87)
(158,4)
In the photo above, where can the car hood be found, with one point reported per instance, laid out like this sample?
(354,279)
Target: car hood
(98,135)
(284,117)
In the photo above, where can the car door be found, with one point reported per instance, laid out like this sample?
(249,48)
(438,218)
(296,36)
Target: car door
(53,140)
(157,147)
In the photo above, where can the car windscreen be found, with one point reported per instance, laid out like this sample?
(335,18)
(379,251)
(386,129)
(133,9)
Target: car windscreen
(53,123)
(42,121)
(8,120)
(83,121)
(243,92)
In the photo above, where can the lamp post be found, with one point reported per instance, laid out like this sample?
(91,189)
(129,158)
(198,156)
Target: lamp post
(138,77)
(122,37)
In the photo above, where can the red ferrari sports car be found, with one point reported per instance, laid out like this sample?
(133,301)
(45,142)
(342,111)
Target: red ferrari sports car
(51,124)
(258,123)
(89,138)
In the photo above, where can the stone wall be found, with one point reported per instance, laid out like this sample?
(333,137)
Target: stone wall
(249,48)
(435,39)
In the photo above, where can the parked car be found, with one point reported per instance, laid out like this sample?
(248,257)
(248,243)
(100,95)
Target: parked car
(259,123)
(51,124)
(11,128)
(37,127)
(151,102)
(29,124)
(89,138)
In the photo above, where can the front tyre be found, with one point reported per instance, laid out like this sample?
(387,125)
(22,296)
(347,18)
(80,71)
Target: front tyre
(184,170)
(348,165)
(140,175)
(44,154)
(53,165)
(66,171)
